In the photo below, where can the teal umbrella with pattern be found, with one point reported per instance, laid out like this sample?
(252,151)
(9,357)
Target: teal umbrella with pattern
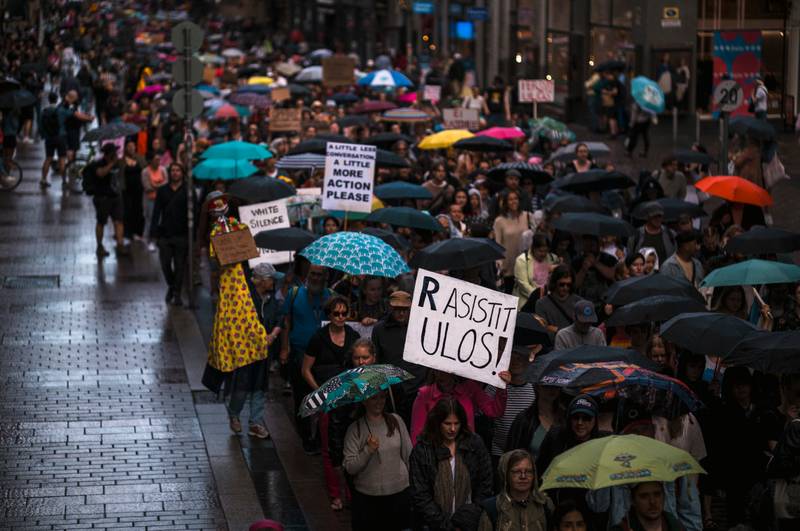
(356,253)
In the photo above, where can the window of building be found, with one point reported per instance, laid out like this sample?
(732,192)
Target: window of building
(622,13)
(558,64)
(601,12)
(558,14)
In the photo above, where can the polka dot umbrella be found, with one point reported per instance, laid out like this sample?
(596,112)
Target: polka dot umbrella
(356,254)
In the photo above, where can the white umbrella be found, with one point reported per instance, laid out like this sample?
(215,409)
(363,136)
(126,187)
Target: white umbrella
(232,52)
(311,74)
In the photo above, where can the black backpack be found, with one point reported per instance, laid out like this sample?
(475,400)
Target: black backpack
(50,125)
(89,178)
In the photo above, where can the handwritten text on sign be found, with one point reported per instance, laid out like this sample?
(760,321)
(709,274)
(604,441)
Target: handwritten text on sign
(461,118)
(536,90)
(460,328)
(267,216)
(349,177)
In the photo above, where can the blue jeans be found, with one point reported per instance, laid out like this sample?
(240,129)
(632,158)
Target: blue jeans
(256,398)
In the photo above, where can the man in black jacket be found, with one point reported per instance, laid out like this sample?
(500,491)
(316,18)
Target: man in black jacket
(170,228)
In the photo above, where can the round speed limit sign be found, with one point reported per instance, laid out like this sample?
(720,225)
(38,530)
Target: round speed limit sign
(728,95)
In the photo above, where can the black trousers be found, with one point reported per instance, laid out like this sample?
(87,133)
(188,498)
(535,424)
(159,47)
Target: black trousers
(300,389)
(642,129)
(387,513)
(172,252)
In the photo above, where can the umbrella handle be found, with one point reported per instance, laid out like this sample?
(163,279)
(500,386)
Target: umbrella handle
(760,300)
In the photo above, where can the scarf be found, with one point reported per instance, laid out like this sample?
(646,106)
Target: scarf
(450,492)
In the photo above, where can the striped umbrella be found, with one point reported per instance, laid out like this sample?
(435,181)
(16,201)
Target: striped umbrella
(301,161)
(406,116)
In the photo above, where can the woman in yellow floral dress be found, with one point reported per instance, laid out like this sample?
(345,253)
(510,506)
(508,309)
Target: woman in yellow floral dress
(237,353)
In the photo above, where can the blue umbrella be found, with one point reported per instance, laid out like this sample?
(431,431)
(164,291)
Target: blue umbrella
(647,94)
(385,78)
(402,190)
(207,88)
(224,169)
(356,253)
(237,150)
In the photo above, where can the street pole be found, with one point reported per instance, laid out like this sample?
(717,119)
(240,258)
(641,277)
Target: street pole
(723,152)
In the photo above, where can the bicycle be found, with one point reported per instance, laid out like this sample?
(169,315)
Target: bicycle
(10,176)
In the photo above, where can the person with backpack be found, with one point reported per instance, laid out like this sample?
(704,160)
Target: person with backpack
(51,127)
(102,181)
(653,234)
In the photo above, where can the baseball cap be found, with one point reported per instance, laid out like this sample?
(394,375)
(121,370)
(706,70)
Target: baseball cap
(584,404)
(653,209)
(400,299)
(584,312)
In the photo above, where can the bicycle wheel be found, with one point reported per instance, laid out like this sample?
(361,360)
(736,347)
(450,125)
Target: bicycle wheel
(73,173)
(10,177)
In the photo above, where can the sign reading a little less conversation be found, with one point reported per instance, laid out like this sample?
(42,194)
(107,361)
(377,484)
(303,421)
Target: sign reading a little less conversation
(267,216)
(349,177)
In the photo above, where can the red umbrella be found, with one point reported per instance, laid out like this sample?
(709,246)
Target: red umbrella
(373,106)
(503,133)
(735,189)
(226,111)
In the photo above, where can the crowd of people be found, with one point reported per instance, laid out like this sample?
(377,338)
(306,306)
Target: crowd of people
(439,451)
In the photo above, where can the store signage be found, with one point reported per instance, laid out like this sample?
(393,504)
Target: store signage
(737,56)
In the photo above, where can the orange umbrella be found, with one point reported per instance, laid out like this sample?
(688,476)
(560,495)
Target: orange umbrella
(735,189)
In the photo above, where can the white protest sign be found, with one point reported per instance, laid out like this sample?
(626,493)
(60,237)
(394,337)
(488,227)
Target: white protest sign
(536,90)
(461,118)
(349,177)
(460,328)
(267,216)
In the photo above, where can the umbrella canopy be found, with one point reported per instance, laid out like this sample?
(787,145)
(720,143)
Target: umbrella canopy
(636,288)
(351,387)
(618,460)
(647,94)
(310,74)
(385,78)
(406,116)
(735,189)
(223,169)
(526,170)
(752,127)
(225,111)
(232,52)
(210,58)
(567,153)
(301,161)
(287,69)
(111,131)
(320,53)
(8,84)
(547,363)
(250,99)
(237,150)
(773,352)
(356,253)
(260,80)
(655,308)
(367,107)
(344,98)
(551,128)
(352,120)
(593,223)
(706,333)
(284,239)
(673,209)
(444,139)
(573,203)
(149,90)
(405,217)
(260,189)
(753,273)
(318,145)
(15,99)
(502,133)
(387,140)
(456,253)
(483,143)
(593,181)
(392,238)
(529,331)
(253,89)
(203,87)
(763,240)
(402,190)
(689,156)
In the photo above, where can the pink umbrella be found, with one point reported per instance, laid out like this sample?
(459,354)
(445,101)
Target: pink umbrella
(149,90)
(408,97)
(226,111)
(503,133)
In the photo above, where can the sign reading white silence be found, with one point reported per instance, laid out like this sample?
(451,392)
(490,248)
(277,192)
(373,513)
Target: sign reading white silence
(349,177)
(267,216)
(460,328)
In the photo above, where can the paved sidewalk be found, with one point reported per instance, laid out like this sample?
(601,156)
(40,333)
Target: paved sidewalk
(98,428)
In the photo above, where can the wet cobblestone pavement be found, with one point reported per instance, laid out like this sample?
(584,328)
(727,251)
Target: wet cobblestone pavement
(98,428)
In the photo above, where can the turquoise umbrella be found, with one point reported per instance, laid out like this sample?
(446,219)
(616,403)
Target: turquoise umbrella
(753,273)
(648,94)
(352,386)
(356,254)
(224,169)
(237,150)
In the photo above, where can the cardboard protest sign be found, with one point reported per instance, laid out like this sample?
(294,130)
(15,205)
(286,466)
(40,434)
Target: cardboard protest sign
(338,71)
(234,247)
(460,328)
(285,120)
(349,177)
(279,94)
(267,216)
(461,118)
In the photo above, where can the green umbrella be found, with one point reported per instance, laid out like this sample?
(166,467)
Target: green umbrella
(551,128)
(237,150)
(753,273)
(618,460)
(224,169)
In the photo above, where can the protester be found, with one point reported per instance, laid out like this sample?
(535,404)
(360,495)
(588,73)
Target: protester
(558,306)
(169,227)
(684,264)
(581,331)
(532,272)
(647,509)
(102,178)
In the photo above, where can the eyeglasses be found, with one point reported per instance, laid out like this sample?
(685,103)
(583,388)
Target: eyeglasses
(338,314)
(528,472)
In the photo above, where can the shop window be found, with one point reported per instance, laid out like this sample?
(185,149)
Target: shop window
(622,13)
(558,14)
(601,12)
(558,64)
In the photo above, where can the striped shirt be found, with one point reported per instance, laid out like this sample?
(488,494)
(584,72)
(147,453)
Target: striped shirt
(520,398)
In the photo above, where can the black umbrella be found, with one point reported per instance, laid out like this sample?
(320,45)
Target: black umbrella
(689,156)
(9,84)
(392,238)
(608,66)
(568,152)
(405,217)
(585,354)
(284,239)
(249,71)
(773,352)
(454,254)
(528,171)
(636,288)
(752,127)
(762,240)
(111,131)
(593,181)
(343,98)
(573,203)
(387,140)
(653,309)
(673,209)
(706,333)
(387,159)
(593,223)
(483,143)
(298,90)
(15,99)
(319,145)
(260,189)
(529,331)
(352,120)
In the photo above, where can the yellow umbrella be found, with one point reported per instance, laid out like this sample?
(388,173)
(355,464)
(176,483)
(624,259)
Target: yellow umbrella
(444,139)
(260,80)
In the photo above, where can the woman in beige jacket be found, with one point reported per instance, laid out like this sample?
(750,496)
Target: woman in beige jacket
(532,270)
